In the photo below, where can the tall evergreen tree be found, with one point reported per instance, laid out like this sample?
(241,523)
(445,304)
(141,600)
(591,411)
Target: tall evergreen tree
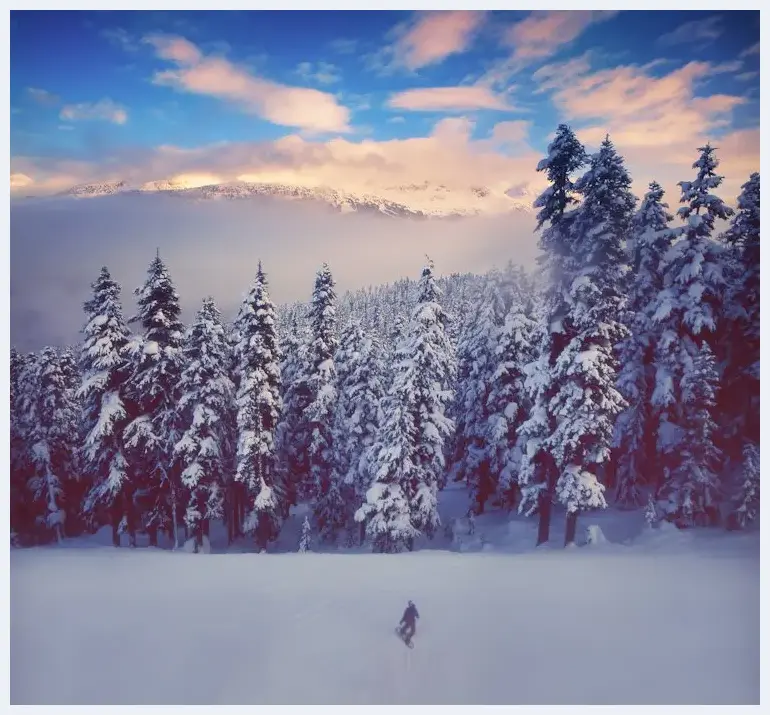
(508,405)
(329,507)
(290,433)
(475,380)
(739,341)
(259,407)
(360,389)
(54,419)
(105,370)
(205,418)
(635,450)
(539,471)
(407,460)
(23,390)
(687,311)
(587,402)
(153,393)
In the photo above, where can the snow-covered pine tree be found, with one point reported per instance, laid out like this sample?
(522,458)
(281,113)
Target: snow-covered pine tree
(538,471)
(204,419)
(426,373)
(328,501)
(77,486)
(105,370)
(387,512)
(477,364)
(407,459)
(359,391)
(54,418)
(290,435)
(23,390)
(694,484)
(738,346)
(258,402)
(586,402)
(746,503)
(508,405)
(634,443)
(153,394)
(686,312)
(305,538)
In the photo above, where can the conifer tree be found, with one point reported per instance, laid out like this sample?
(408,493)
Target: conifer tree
(586,402)
(686,313)
(54,417)
(205,417)
(635,451)
(305,539)
(539,471)
(105,370)
(23,391)
(153,393)
(359,391)
(739,340)
(475,379)
(407,460)
(328,502)
(746,501)
(259,404)
(508,405)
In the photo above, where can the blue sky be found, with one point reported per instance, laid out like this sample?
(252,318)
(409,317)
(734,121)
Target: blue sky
(340,95)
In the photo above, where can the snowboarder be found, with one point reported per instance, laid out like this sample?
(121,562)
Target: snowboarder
(408,624)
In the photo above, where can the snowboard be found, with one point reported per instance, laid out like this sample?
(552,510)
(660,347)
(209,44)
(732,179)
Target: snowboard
(410,644)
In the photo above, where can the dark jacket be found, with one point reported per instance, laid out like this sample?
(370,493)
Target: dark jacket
(410,614)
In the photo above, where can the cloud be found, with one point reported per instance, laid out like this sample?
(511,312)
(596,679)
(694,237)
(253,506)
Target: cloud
(541,35)
(752,50)
(447,155)
(119,37)
(43,96)
(321,72)
(196,73)
(746,76)
(697,31)
(343,46)
(20,181)
(104,109)
(434,99)
(436,35)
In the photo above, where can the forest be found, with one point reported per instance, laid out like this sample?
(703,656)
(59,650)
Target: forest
(623,372)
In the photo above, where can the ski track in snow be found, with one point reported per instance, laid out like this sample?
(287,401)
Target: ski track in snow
(605,626)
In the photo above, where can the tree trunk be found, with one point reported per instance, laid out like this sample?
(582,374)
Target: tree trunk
(175,521)
(152,533)
(570,528)
(116,518)
(544,513)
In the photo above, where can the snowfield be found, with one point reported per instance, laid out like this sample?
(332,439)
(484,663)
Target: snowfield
(664,620)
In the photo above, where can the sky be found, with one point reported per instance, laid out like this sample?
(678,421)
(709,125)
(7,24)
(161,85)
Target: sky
(347,96)
(351,100)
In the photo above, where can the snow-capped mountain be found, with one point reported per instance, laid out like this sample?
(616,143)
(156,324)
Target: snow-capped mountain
(412,200)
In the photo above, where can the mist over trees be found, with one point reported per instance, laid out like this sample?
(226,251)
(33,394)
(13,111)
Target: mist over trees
(623,373)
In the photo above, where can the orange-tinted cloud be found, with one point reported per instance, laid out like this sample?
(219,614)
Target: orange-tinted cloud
(301,107)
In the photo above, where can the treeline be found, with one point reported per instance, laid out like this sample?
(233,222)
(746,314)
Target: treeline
(627,374)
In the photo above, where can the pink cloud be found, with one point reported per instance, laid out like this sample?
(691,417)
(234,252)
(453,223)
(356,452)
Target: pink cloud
(436,35)
(301,107)
(545,31)
(431,99)
(540,35)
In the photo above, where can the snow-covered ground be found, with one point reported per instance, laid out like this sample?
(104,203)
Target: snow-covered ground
(667,617)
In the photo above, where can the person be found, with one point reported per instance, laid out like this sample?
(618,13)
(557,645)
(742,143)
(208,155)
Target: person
(408,622)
